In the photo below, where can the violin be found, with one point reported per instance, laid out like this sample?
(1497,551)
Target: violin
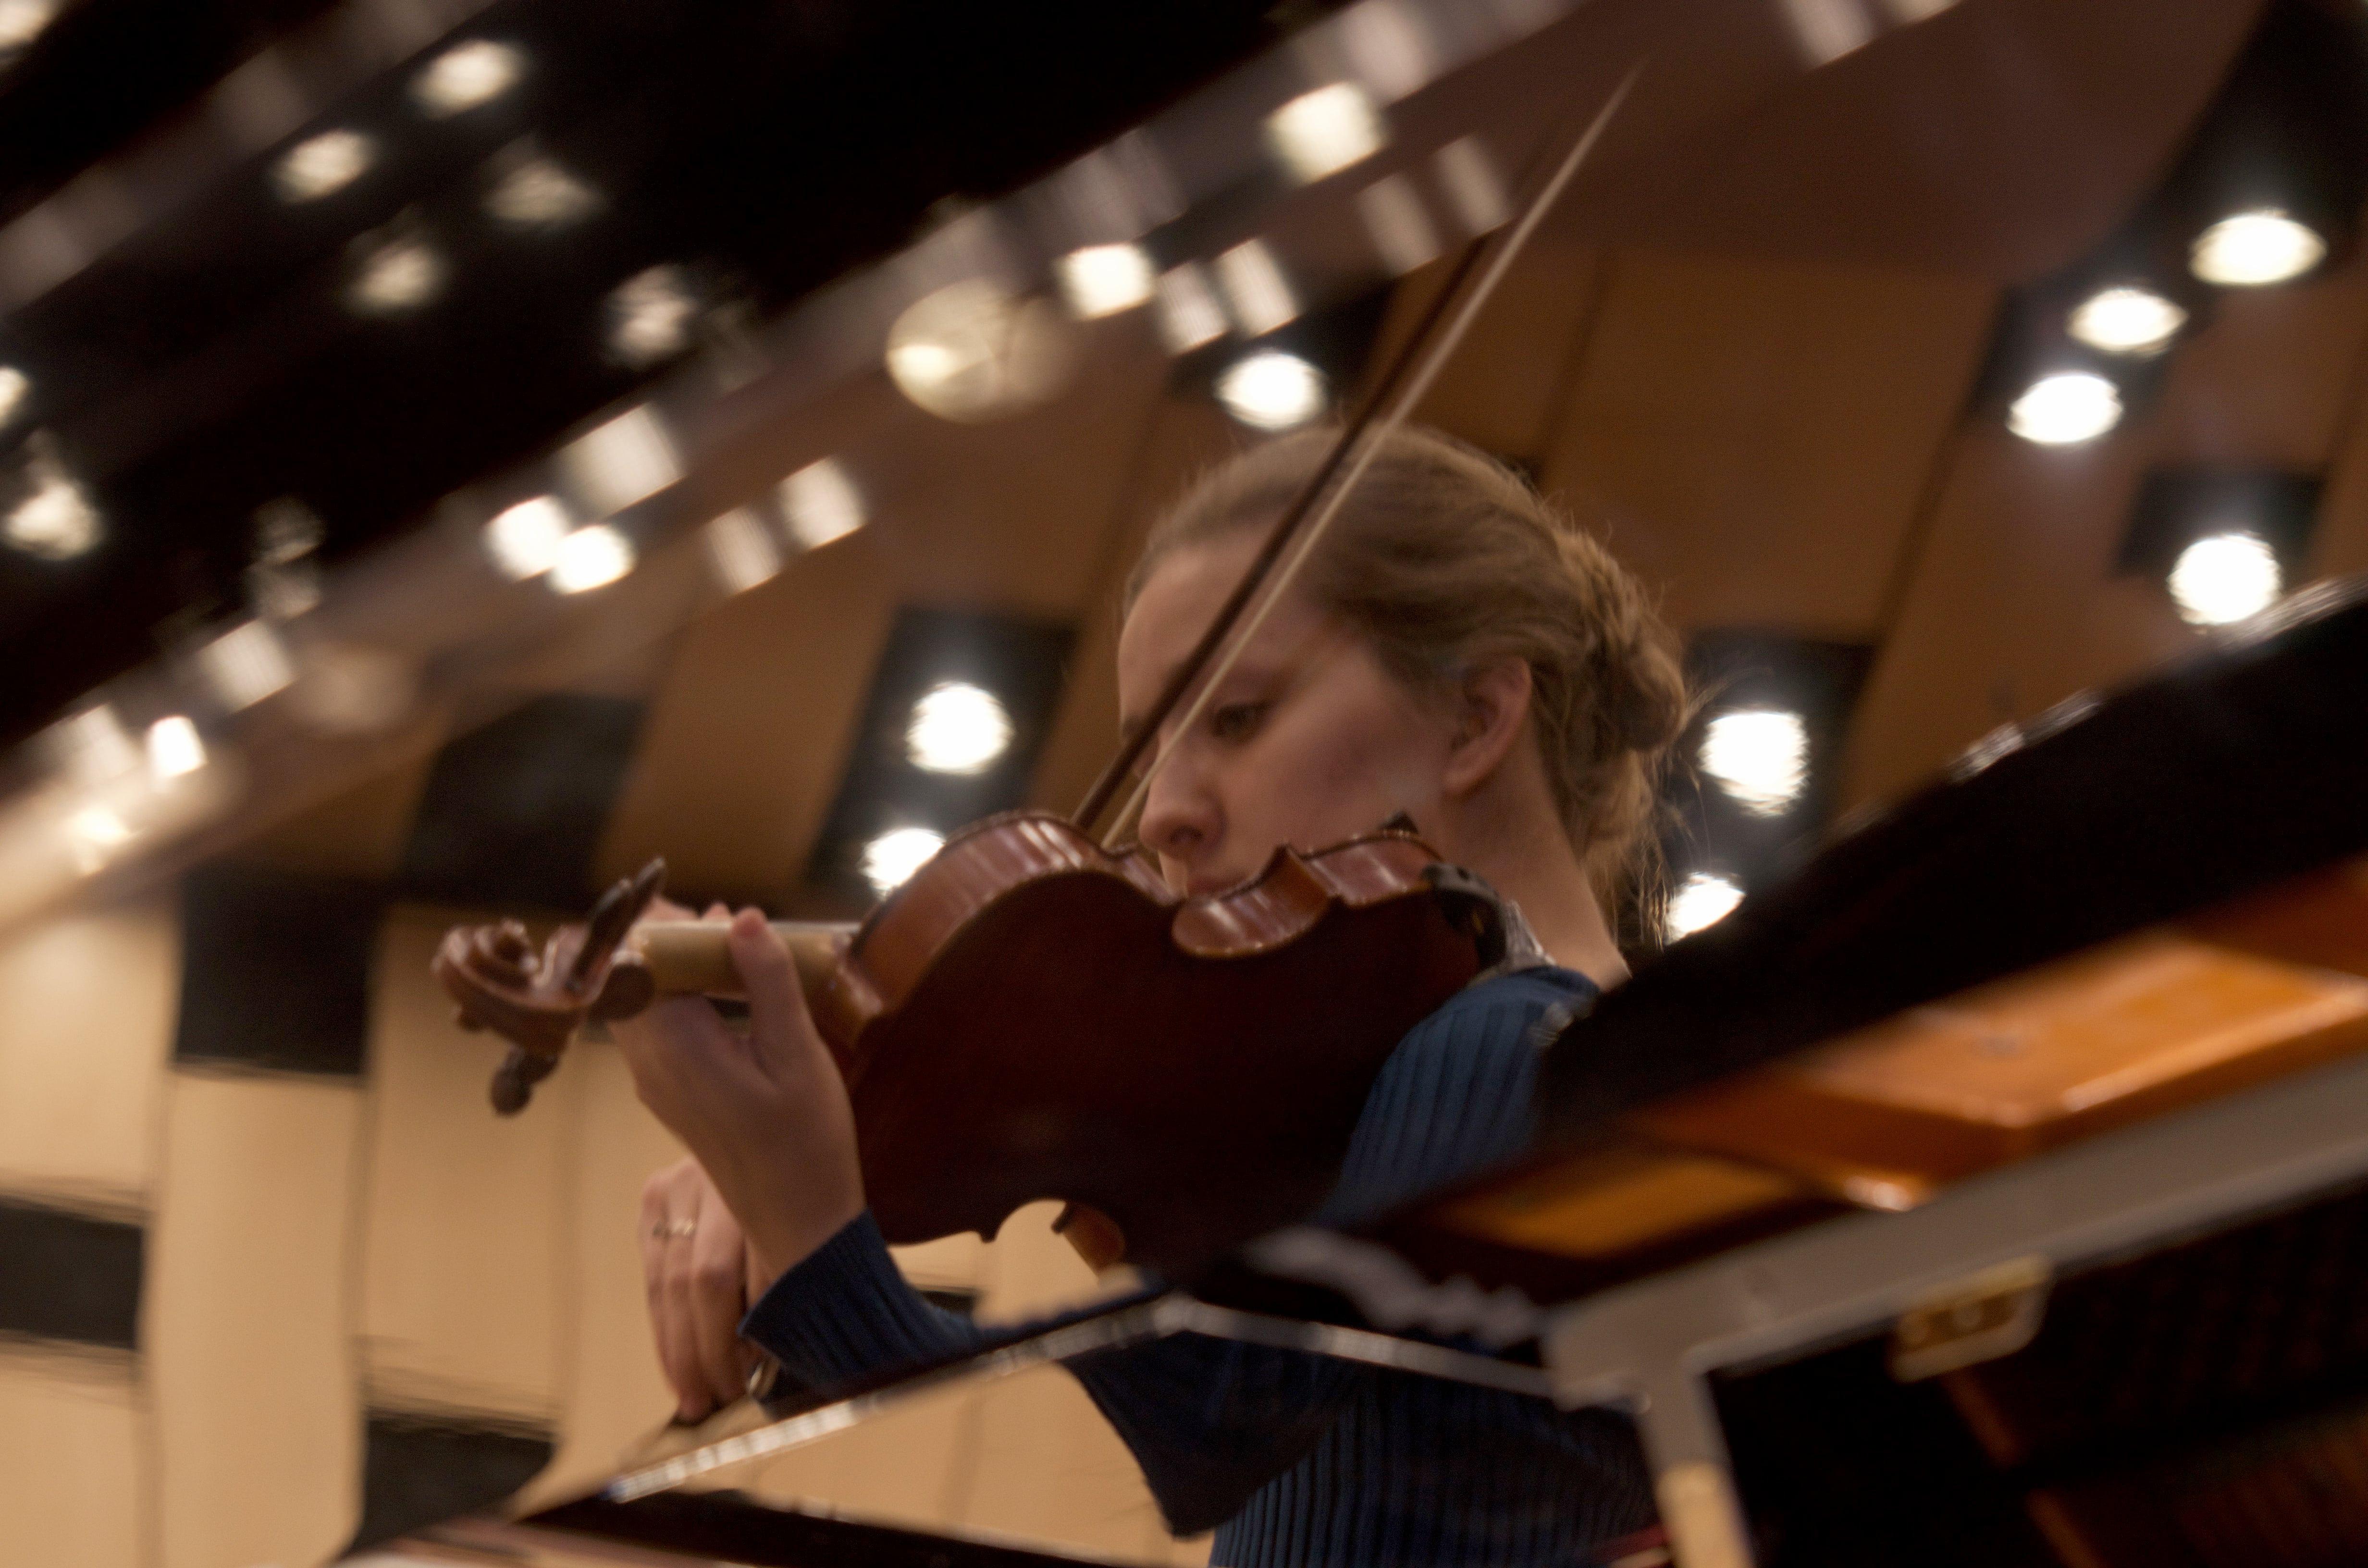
(1035,1013)
(1034,1016)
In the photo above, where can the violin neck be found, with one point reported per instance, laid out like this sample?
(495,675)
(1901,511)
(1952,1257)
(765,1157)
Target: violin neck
(691,957)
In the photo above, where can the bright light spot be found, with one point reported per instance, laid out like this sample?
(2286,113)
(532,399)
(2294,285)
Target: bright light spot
(1827,29)
(2066,408)
(968,352)
(820,504)
(1323,132)
(324,164)
(92,746)
(2225,577)
(890,861)
(1189,312)
(466,75)
(15,387)
(2256,248)
(246,664)
(1398,225)
(1760,756)
(1474,187)
(174,748)
(650,316)
(1256,289)
(629,459)
(957,728)
(524,540)
(1101,280)
(742,550)
(96,832)
(2126,321)
(541,194)
(592,557)
(22,21)
(1271,391)
(56,522)
(398,276)
(1703,899)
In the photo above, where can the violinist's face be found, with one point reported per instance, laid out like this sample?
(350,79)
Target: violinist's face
(1308,740)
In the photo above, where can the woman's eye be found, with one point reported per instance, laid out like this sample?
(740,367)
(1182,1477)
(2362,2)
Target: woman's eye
(1236,720)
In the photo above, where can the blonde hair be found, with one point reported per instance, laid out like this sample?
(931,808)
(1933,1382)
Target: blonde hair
(1443,558)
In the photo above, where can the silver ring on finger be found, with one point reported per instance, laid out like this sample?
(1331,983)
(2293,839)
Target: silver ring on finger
(667,1228)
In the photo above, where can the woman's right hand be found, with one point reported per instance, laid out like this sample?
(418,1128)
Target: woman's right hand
(695,1266)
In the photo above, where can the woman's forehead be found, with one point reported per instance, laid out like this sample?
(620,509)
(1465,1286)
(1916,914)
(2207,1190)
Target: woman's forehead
(1177,601)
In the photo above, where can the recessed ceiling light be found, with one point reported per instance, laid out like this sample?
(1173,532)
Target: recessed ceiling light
(400,275)
(742,550)
(174,748)
(539,194)
(1323,132)
(55,521)
(619,461)
(1271,390)
(890,859)
(650,316)
(2066,408)
(324,164)
(22,21)
(1256,290)
(465,75)
(957,728)
(1704,899)
(968,352)
(246,664)
(1189,312)
(592,557)
(2225,577)
(2252,249)
(1760,757)
(820,504)
(1101,280)
(2127,320)
(524,540)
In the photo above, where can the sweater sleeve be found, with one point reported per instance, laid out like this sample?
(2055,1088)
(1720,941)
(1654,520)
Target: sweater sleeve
(1210,1421)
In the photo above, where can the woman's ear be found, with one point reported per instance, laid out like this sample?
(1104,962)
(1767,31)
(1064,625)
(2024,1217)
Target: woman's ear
(1492,702)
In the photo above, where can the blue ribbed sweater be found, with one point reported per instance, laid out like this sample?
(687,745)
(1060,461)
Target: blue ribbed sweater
(1299,1458)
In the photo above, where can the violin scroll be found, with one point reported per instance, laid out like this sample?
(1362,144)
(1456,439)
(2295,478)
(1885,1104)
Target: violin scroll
(537,1001)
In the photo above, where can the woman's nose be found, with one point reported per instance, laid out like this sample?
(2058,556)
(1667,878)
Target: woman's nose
(1179,819)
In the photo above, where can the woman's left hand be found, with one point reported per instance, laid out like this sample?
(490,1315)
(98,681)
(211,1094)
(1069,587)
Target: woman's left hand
(766,1114)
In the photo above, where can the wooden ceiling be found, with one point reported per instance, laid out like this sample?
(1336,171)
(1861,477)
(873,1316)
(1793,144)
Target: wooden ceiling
(1752,359)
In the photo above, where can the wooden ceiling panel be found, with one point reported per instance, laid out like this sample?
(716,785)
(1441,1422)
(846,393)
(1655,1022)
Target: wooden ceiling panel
(1504,388)
(1181,437)
(2268,382)
(2002,139)
(1759,432)
(748,733)
(2015,605)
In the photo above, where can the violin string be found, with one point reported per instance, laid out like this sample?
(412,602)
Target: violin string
(1368,447)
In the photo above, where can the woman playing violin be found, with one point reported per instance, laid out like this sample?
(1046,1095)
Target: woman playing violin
(1457,653)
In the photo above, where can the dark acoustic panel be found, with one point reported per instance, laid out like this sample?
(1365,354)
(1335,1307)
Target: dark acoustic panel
(1020,663)
(275,970)
(420,1470)
(513,813)
(69,1276)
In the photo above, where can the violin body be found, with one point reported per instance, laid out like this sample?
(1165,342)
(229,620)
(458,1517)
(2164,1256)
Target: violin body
(1032,1017)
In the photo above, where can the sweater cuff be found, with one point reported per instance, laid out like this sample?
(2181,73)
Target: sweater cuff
(845,1313)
